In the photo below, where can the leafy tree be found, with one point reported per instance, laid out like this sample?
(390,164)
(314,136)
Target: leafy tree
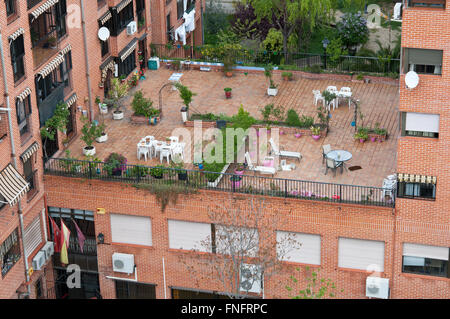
(287,14)
(316,287)
(185,94)
(142,105)
(58,122)
(245,24)
(117,92)
(90,131)
(215,19)
(352,29)
(335,51)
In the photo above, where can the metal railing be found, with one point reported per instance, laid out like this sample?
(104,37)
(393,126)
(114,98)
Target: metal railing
(32,3)
(246,184)
(261,58)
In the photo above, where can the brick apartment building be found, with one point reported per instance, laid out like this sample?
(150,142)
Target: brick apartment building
(44,43)
(406,243)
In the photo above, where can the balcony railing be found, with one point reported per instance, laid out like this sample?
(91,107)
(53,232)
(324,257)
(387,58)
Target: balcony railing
(254,185)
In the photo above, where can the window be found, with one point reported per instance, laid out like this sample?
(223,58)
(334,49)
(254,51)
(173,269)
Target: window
(427,3)
(189,235)
(425,260)
(124,17)
(10,7)
(23,112)
(420,124)
(140,13)
(416,190)
(170,37)
(10,252)
(361,254)
(38,288)
(60,18)
(29,175)
(134,290)
(308,252)
(104,45)
(131,229)
(32,236)
(17,58)
(65,69)
(128,65)
(2,201)
(422,61)
(180,9)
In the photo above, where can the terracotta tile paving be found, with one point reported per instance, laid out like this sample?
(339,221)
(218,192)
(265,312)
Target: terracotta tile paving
(379,103)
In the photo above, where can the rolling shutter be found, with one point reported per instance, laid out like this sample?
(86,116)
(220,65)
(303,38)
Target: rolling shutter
(425,56)
(422,122)
(425,251)
(189,235)
(308,252)
(360,254)
(32,236)
(130,229)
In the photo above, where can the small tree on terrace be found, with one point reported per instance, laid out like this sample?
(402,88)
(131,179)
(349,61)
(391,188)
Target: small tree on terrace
(243,245)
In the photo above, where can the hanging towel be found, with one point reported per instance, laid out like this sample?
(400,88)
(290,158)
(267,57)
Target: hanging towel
(189,20)
(181,32)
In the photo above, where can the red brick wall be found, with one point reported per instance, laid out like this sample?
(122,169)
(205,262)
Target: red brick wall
(331,221)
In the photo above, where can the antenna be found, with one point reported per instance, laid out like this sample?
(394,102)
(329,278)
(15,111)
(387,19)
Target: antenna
(411,80)
(103,33)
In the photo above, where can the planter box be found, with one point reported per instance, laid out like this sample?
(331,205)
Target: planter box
(272,92)
(118,115)
(139,119)
(102,138)
(216,182)
(89,152)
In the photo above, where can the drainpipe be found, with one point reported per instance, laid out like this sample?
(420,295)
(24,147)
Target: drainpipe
(13,156)
(83,26)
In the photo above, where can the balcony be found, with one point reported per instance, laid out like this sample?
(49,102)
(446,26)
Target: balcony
(44,45)
(47,106)
(32,179)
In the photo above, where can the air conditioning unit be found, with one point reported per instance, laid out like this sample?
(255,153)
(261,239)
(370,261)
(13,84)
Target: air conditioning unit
(250,279)
(377,287)
(39,260)
(48,249)
(131,28)
(123,263)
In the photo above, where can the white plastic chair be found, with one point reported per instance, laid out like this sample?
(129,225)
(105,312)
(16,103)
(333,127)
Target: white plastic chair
(332,88)
(179,150)
(332,102)
(346,92)
(277,152)
(261,169)
(142,150)
(325,150)
(165,152)
(173,139)
(318,96)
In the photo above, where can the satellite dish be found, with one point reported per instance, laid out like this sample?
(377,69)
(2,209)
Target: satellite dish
(411,79)
(103,33)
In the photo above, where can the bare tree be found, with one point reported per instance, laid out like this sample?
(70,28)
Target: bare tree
(243,248)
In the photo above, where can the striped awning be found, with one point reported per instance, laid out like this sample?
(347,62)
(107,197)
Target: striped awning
(109,66)
(44,7)
(24,94)
(16,34)
(104,18)
(414,178)
(122,5)
(71,100)
(30,151)
(12,185)
(51,66)
(128,50)
(66,49)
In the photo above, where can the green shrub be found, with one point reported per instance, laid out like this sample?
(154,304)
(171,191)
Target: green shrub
(306,121)
(143,106)
(243,119)
(292,118)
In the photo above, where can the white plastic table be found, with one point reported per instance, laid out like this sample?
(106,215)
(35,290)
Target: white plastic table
(340,156)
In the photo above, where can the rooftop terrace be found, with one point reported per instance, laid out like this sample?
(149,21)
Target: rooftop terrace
(379,103)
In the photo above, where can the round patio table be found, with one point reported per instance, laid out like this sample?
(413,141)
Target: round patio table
(340,156)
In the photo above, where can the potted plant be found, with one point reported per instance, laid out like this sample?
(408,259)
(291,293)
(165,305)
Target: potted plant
(236,181)
(228,63)
(362,135)
(227,93)
(115,164)
(176,65)
(142,107)
(102,106)
(103,135)
(52,42)
(298,135)
(287,76)
(177,164)
(101,85)
(117,92)
(122,78)
(315,132)
(272,90)
(157,171)
(90,132)
(65,142)
(186,95)
(239,170)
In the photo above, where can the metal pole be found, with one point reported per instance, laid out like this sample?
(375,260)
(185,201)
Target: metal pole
(83,25)
(13,156)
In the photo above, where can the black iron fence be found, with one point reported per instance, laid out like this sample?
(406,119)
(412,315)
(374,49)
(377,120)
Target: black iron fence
(311,61)
(245,184)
